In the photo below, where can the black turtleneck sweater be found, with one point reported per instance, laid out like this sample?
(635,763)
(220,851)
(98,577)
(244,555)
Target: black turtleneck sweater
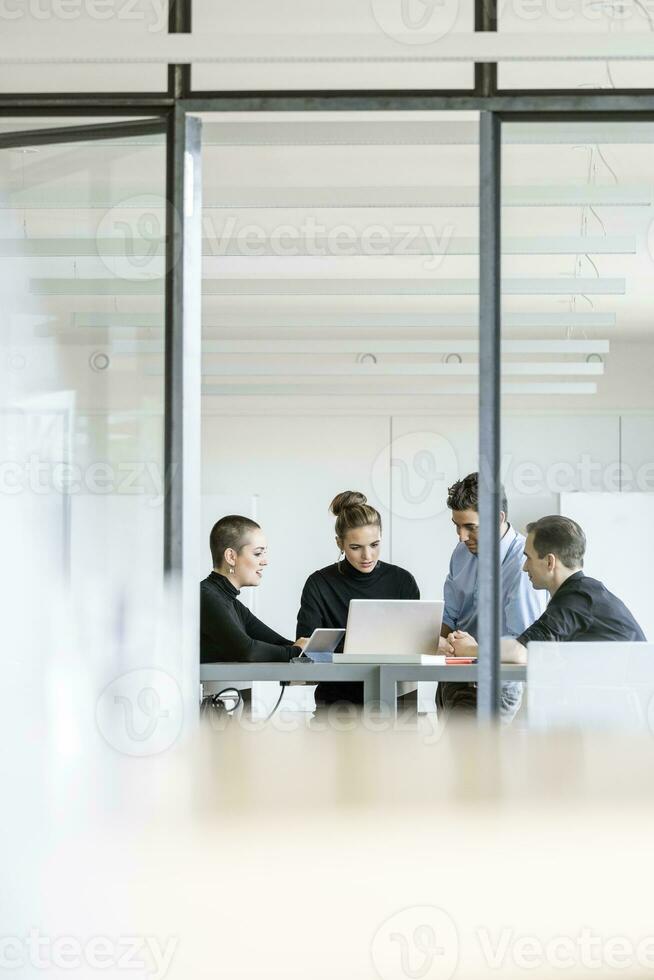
(326,600)
(230,632)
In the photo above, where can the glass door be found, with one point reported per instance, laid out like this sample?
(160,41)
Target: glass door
(83,277)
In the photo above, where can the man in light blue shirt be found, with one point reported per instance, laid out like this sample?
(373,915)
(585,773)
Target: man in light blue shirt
(522,605)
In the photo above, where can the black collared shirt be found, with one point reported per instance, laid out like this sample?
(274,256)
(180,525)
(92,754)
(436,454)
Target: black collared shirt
(582,609)
(230,632)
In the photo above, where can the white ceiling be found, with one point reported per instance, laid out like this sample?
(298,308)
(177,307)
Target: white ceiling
(273,31)
(577,229)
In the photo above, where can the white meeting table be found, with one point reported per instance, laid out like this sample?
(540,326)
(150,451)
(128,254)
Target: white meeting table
(379,680)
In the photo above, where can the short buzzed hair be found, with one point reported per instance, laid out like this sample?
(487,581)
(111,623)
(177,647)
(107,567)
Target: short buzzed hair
(560,536)
(464,495)
(229,532)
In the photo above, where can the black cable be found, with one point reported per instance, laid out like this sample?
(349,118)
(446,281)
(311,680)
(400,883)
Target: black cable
(279,701)
(214,700)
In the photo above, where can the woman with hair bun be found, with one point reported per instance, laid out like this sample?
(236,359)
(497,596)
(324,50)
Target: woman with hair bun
(359,574)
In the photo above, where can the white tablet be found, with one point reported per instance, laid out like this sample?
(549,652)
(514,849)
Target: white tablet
(323,641)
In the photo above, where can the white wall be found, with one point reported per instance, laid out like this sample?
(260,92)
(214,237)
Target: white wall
(296,464)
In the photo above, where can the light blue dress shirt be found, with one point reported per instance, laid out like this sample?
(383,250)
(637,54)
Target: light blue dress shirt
(521,603)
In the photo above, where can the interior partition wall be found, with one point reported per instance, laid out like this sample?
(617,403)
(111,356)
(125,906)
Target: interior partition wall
(102,235)
(173,111)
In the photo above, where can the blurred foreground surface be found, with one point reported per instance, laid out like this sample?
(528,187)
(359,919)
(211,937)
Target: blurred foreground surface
(331,853)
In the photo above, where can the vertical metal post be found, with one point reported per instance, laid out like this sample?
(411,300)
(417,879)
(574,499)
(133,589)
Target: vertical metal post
(486,72)
(490,586)
(179,22)
(182,381)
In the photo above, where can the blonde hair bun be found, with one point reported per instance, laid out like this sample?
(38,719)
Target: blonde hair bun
(349,498)
(352,510)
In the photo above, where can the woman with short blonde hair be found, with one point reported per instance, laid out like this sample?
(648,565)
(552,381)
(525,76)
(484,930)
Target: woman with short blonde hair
(228,630)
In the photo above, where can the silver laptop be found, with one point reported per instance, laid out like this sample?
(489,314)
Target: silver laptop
(392,631)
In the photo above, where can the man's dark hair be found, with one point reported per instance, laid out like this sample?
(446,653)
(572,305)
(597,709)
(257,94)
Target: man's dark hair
(560,536)
(464,495)
(229,532)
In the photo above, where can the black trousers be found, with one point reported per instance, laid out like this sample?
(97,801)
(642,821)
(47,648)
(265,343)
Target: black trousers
(460,698)
(329,692)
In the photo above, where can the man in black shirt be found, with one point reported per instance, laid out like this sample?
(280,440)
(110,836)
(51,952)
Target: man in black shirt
(580,607)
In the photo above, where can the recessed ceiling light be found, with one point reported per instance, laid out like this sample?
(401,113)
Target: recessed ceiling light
(99,361)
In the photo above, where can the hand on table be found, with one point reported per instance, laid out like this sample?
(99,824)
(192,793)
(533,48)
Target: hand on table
(445,646)
(301,642)
(463,643)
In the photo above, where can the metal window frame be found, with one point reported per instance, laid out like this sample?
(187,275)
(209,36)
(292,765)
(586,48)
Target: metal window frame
(183,337)
(490,331)
(82,133)
(172,111)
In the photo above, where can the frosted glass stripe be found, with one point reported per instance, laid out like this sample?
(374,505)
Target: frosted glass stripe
(223,48)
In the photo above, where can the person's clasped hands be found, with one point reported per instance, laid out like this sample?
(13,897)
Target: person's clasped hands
(463,644)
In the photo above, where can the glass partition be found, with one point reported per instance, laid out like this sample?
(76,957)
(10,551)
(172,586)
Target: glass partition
(612,19)
(340,351)
(82,266)
(352,44)
(80,27)
(578,412)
